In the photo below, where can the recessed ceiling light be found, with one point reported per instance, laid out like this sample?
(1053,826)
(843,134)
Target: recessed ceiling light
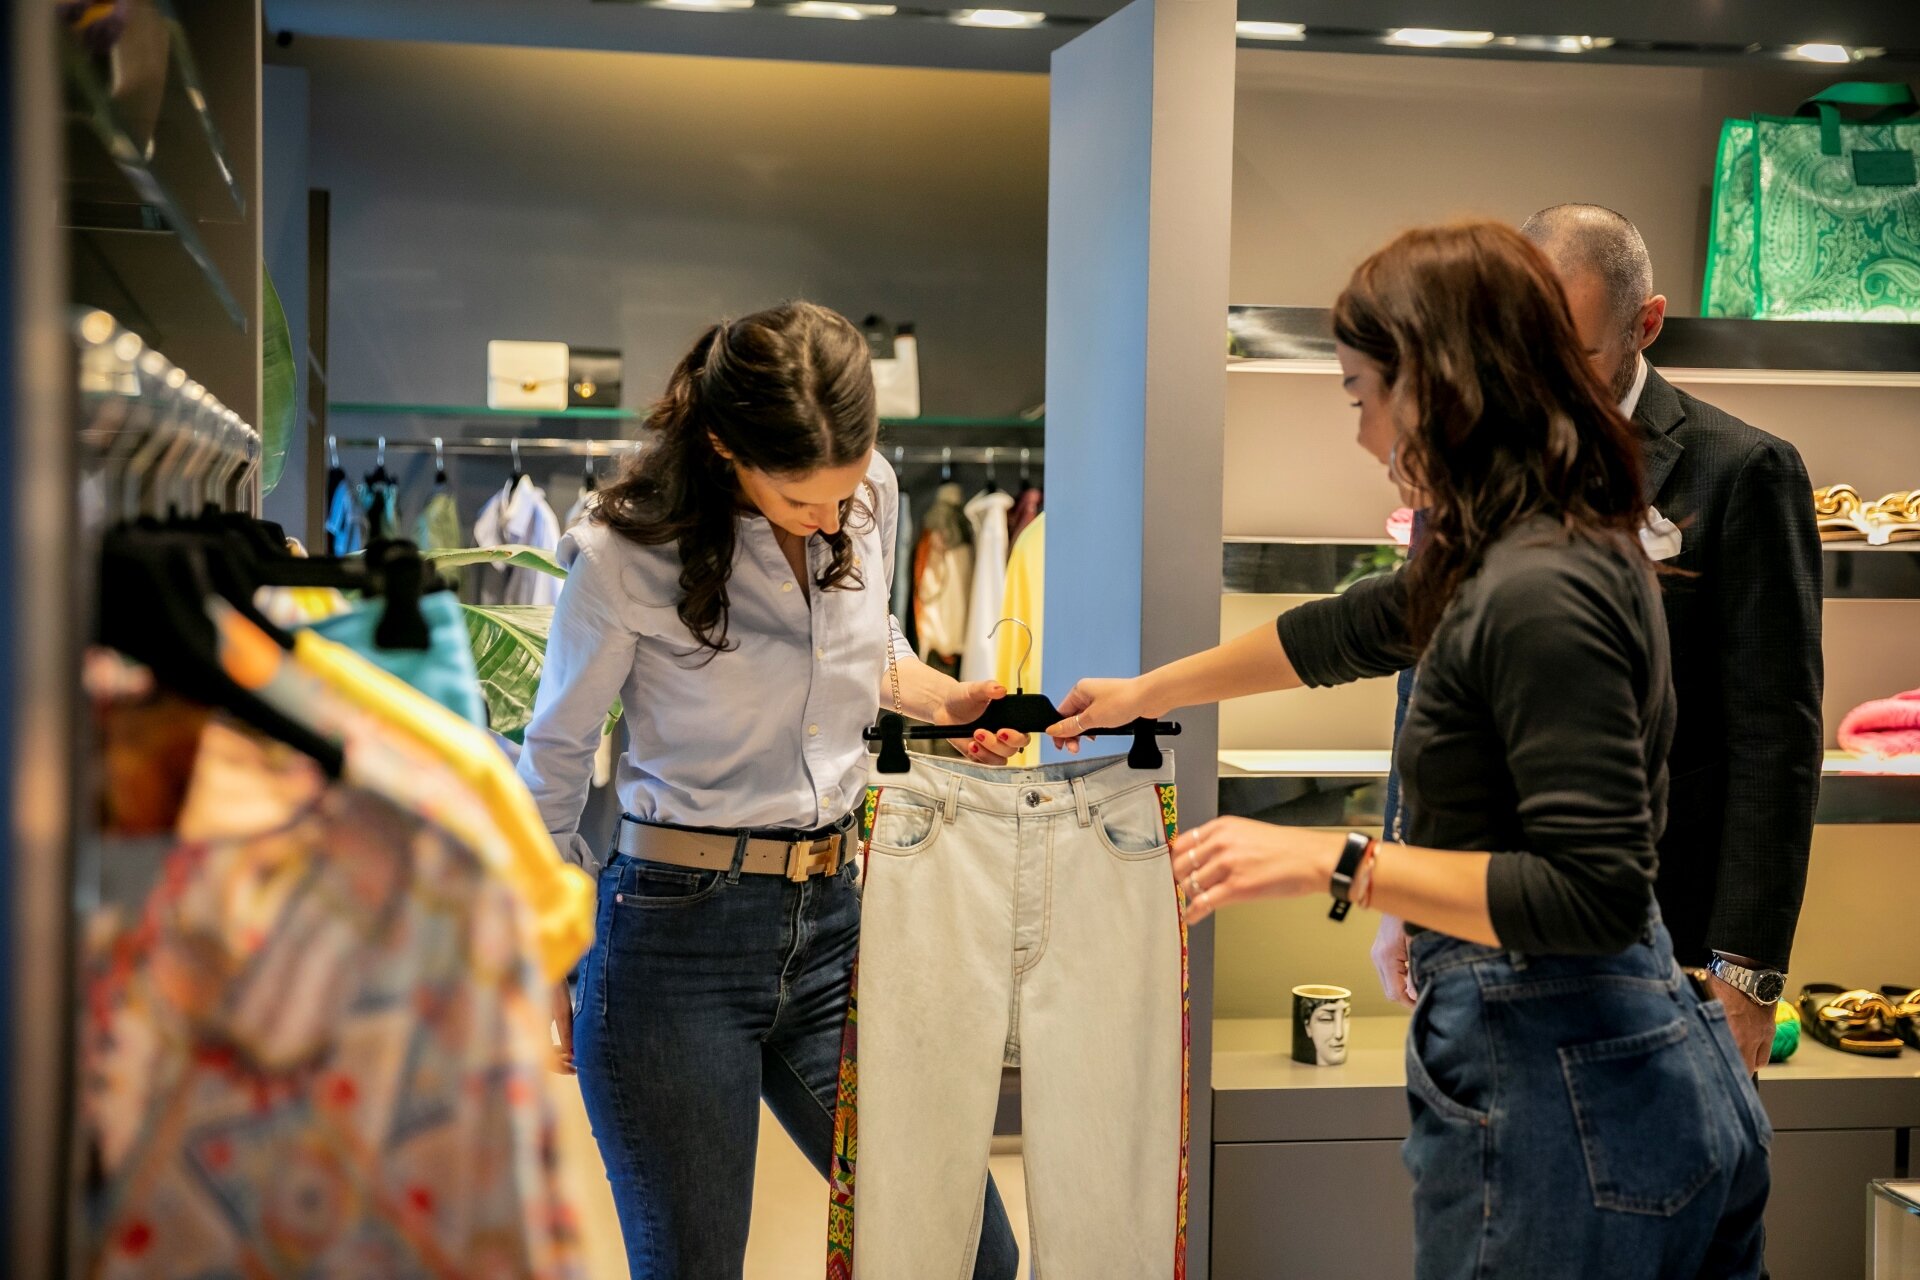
(1270,30)
(844,12)
(1438,38)
(1824,53)
(1005,18)
(703,6)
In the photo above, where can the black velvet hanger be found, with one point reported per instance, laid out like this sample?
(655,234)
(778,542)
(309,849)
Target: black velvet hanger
(154,585)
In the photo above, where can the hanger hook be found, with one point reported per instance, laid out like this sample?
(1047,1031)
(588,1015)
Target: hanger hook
(946,462)
(380,452)
(990,475)
(514,445)
(1020,670)
(439,454)
(899,455)
(333,450)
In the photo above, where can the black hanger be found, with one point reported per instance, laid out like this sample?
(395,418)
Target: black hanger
(439,462)
(589,482)
(513,481)
(1022,712)
(154,585)
(399,575)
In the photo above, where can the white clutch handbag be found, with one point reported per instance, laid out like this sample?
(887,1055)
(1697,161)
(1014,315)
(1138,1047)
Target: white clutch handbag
(527,375)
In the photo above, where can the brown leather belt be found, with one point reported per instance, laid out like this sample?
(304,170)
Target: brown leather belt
(797,860)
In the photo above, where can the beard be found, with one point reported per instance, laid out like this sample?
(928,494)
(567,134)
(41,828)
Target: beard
(1623,378)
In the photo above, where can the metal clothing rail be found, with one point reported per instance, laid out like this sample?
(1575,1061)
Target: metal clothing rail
(989,455)
(158,440)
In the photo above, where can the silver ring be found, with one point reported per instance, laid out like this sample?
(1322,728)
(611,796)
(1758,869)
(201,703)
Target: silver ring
(1082,725)
(1193,887)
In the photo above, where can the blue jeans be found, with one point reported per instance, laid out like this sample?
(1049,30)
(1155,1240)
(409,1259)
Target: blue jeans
(700,997)
(1578,1116)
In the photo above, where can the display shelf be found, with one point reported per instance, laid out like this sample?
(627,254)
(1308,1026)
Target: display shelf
(1299,340)
(482,412)
(116,186)
(1327,566)
(479,412)
(1261,1095)
(1344,788)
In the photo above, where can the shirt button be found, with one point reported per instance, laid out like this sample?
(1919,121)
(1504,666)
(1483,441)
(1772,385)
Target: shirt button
(786,586)
(820,653)
(813,731)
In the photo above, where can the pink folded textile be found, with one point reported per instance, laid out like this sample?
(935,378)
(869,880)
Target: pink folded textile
(1885,727)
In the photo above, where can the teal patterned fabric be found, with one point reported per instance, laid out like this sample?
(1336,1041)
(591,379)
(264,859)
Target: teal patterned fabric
(1796,237)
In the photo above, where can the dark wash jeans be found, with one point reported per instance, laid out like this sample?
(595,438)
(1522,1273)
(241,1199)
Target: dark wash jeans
(1578,1116)
(699,998)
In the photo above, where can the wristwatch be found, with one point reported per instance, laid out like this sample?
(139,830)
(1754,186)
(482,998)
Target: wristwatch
(1762,986)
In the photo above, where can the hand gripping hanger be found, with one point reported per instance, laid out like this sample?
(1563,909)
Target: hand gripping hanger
(1020,711)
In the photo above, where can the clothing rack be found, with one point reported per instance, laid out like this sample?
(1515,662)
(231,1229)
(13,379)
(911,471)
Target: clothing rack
(156,440)
(916,453)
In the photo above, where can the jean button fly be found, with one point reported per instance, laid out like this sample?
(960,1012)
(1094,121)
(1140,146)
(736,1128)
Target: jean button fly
(1033,799)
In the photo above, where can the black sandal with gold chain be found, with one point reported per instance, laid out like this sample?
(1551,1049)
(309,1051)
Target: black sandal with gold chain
(1852,1021)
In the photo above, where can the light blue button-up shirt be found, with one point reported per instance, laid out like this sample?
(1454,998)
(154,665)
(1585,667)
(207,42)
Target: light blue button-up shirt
(764,734)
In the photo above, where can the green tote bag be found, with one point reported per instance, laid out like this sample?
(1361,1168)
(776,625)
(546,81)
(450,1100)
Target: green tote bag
(1817,217)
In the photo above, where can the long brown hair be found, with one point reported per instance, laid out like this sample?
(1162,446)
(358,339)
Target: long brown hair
(1471,330)
(787,391)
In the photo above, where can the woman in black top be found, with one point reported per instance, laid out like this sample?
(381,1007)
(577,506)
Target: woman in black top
(1577,1110)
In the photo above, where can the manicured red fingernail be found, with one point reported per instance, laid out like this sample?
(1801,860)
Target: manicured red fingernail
(1004,735)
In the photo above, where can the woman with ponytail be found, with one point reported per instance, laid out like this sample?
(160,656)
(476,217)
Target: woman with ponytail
(731,592)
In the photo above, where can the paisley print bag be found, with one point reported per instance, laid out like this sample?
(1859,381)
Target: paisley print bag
(1816,216)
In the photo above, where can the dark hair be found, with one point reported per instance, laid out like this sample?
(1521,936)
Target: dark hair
(1470,326)
(787,391)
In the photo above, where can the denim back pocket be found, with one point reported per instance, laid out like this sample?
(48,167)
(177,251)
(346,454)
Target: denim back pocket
(1131,824)
(1645,1126)
(903,822)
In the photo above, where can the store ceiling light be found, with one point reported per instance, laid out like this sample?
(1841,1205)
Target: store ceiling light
(1837,53)
(844,12)
(703,6)
(1006,19)
(1438,38)
(1270,30)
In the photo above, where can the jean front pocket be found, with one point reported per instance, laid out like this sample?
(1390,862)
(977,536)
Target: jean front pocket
(1458,1054)
(1132,824)
(643,885)
(903,822)
(1645,1128)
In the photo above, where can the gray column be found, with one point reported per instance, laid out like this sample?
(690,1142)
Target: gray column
(1139,211)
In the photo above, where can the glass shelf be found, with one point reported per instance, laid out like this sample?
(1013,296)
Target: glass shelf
(1299,340)
(116,186)
(481,412)
(1347,788)
(1327,566)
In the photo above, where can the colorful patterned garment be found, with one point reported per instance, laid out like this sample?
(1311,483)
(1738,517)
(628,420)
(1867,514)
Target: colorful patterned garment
(319,1053)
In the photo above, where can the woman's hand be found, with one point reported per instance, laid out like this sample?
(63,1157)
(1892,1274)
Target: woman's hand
(1234,859)
(968,701)
(563,1024)
(1099,704)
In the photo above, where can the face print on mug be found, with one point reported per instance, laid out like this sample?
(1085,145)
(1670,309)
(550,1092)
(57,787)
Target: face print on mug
(1320,1016)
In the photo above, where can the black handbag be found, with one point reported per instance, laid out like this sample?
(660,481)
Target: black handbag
(593,378)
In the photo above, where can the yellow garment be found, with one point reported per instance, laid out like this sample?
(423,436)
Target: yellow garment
(1025,599)
(509,835)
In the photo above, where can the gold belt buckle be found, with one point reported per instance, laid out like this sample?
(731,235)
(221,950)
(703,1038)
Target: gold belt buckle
(807,858)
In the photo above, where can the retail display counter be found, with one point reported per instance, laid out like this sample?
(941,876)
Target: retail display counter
(1304,1136)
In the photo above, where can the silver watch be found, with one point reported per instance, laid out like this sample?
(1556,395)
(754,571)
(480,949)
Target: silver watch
(1762,986)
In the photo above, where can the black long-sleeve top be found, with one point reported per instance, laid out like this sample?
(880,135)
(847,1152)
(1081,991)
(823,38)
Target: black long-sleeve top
(1538,731)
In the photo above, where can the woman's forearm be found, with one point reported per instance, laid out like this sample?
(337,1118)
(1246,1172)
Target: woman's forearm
(1252,663)
(1434,888)
(924,692)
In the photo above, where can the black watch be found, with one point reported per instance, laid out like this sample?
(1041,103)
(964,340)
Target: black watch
(1762,986)
(1344,871)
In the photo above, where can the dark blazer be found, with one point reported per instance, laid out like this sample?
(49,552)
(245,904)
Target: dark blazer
(1744,621)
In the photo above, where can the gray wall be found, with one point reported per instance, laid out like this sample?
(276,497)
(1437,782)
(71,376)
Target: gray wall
(627,200)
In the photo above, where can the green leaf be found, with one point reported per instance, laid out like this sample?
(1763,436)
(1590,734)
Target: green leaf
(278,381)
(509,652)
(508,556)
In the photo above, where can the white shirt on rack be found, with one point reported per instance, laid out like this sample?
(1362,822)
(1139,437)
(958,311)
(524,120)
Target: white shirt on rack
(987,512)
(518,516)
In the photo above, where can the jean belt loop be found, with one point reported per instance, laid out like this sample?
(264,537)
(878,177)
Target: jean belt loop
(1080,809)
(739,856)
(951,809)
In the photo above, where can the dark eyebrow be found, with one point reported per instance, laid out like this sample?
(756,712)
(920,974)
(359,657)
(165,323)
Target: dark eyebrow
(1346,383)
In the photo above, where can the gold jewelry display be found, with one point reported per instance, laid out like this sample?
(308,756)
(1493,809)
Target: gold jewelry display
(1842,516)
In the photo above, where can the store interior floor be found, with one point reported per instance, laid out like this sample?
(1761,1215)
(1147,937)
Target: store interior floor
(789,1198)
